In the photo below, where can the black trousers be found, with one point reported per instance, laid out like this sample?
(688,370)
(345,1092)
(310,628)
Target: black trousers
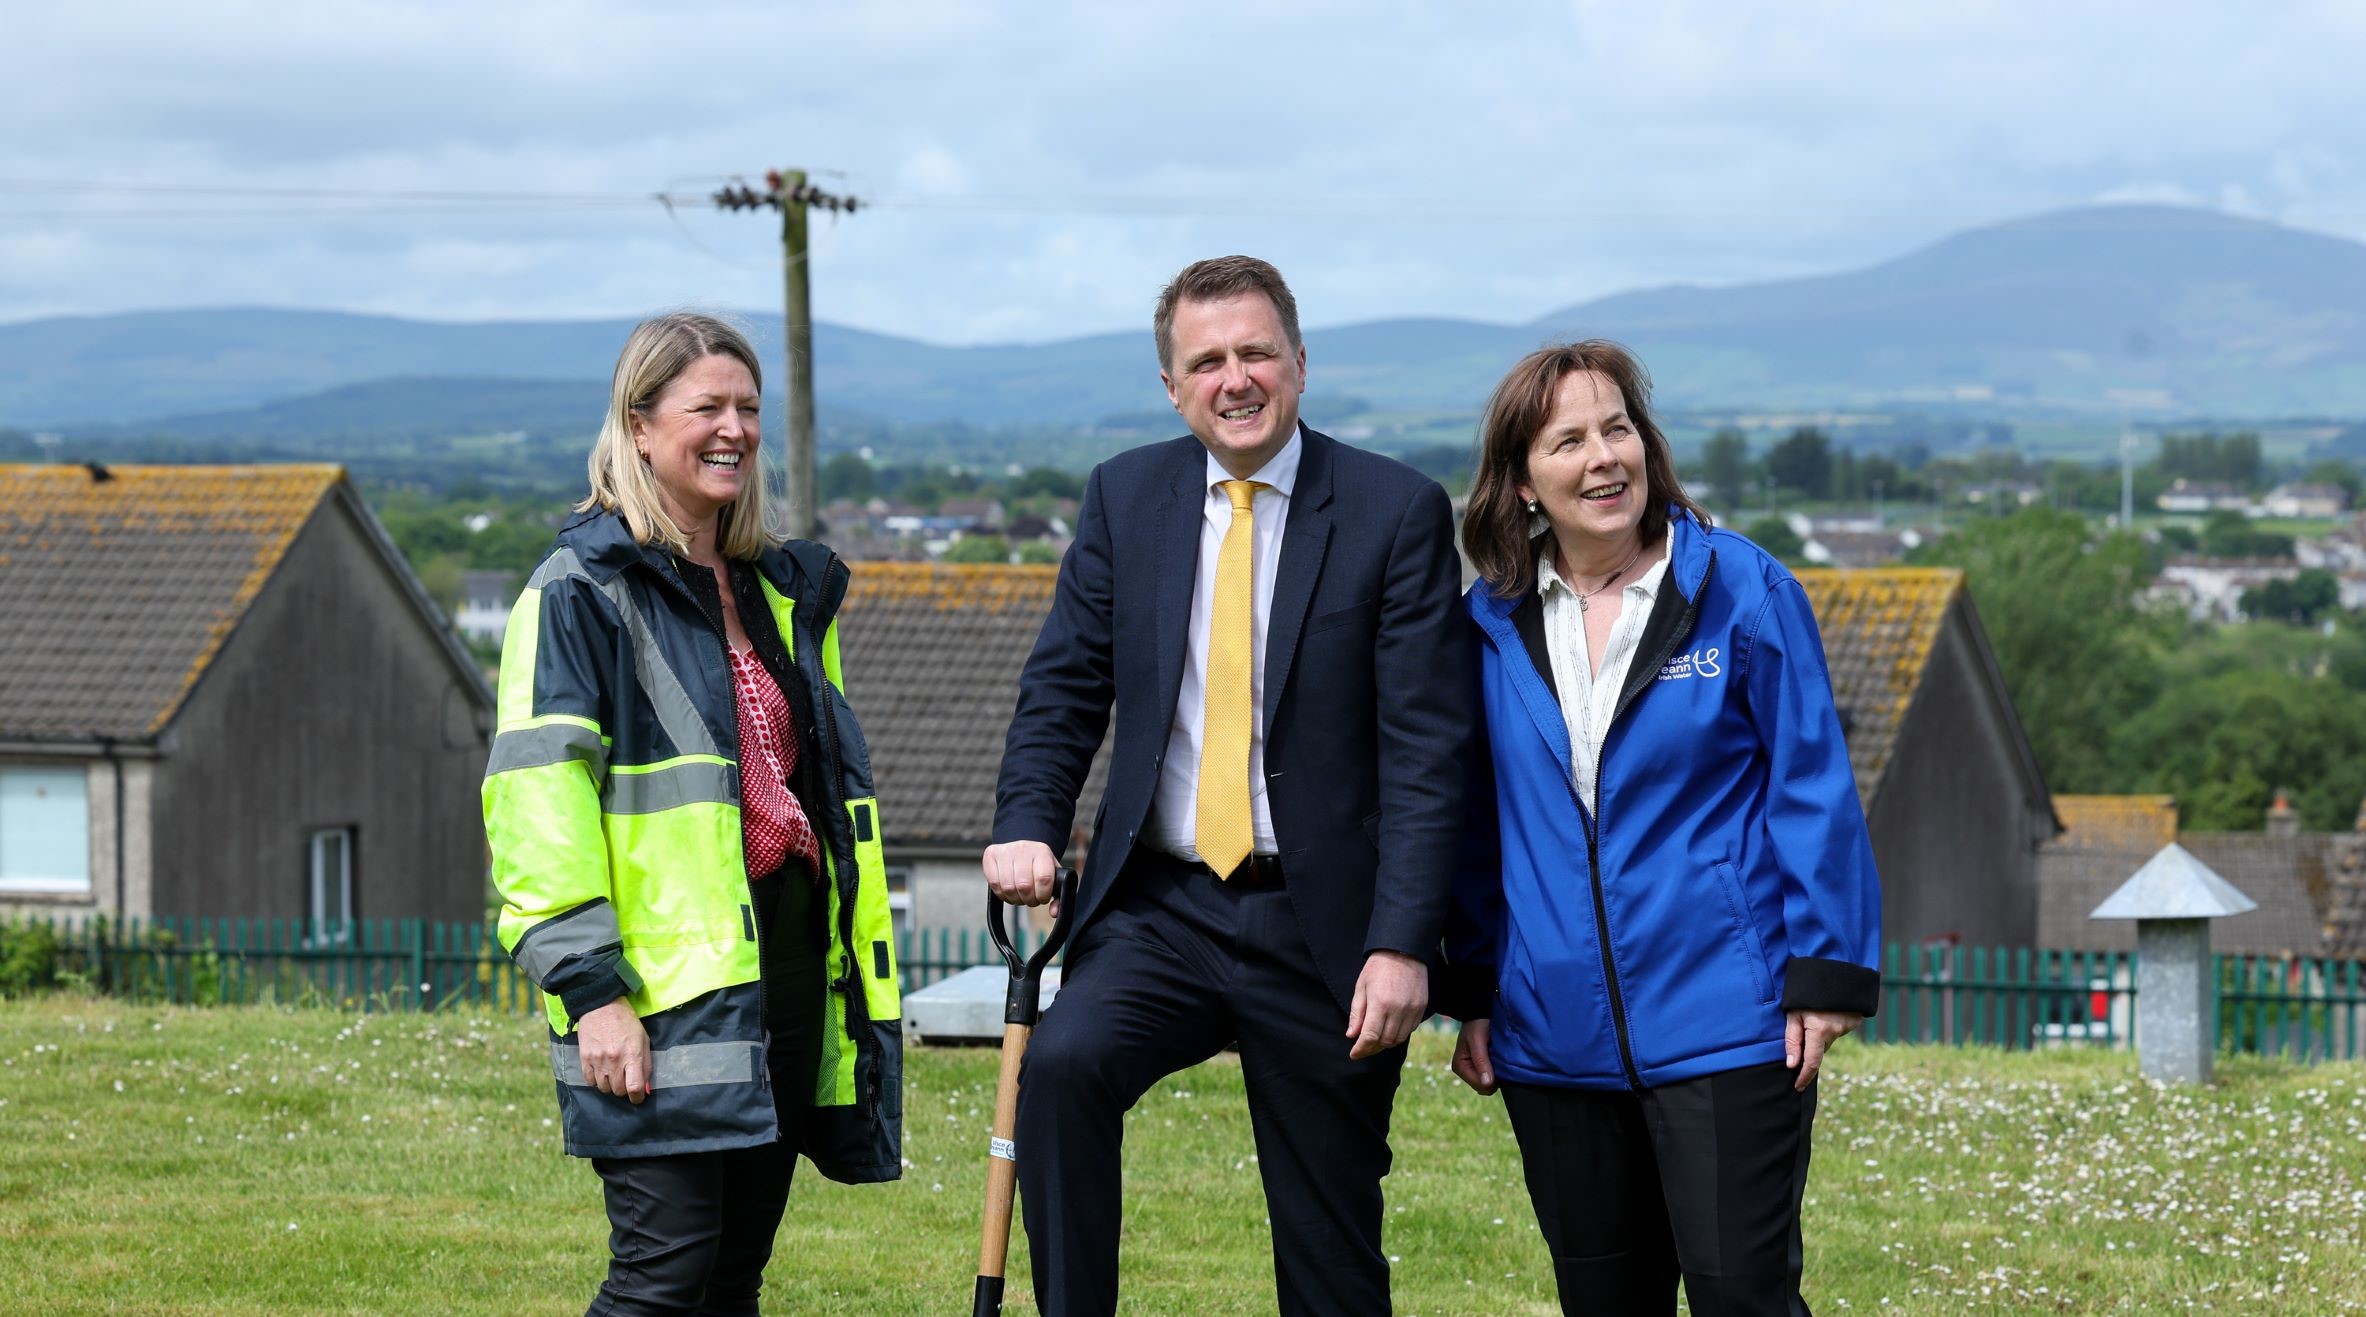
(1176,967)
(1700,1179)
(689,1233)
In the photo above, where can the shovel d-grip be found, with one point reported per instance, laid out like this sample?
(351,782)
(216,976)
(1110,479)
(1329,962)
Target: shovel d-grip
(1021,1006)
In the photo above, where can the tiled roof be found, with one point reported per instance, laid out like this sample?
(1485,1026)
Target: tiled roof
(2345,904)
(2292,879)
(1879,626)
(118,591)
(932,656)
(2139,824)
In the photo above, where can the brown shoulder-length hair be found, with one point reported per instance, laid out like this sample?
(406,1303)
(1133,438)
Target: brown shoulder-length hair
(1495,521)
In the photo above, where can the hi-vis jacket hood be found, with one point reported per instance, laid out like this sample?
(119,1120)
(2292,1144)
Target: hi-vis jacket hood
(1728,875)
(612,805)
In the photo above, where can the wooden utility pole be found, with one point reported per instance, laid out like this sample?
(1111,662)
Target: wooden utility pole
(789,193)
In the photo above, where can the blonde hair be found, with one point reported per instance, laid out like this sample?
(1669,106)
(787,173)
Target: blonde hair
(656,354)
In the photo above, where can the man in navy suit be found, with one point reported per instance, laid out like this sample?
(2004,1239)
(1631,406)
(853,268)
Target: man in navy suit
(1271,619)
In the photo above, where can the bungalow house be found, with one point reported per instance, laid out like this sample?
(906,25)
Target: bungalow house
(223,693)
(485,601)
(2306,500)
(2199,496)
(1949,784)
(2211,589)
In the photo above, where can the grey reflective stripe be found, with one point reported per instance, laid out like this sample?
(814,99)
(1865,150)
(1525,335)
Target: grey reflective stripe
(686,1065)
(586,928)
(682,784)
(552,743)
(561,563)
(672,704)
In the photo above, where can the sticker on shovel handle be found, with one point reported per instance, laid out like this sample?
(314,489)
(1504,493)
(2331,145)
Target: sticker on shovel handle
(1003,1148)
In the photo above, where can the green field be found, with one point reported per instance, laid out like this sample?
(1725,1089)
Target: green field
(260,1161)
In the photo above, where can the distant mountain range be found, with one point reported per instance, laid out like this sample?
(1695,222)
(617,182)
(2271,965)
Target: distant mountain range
(2142,312)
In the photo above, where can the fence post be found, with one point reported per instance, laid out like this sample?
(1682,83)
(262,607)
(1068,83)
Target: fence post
(418,935)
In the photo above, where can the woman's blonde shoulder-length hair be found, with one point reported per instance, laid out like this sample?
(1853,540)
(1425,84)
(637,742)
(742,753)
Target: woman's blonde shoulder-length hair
(660,349)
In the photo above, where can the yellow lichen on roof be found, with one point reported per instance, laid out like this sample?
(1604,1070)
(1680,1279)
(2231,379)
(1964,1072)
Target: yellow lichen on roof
(951,587)
(1879,626)
(2141,824)
(1891,615)
(52,505)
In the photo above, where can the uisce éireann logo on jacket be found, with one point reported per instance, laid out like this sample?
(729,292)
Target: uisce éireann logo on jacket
(1698,663)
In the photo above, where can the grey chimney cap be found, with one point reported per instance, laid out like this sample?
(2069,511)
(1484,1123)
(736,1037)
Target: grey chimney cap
(2174,885)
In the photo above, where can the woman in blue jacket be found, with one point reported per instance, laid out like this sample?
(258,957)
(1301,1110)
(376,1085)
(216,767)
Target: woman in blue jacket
(1670,910)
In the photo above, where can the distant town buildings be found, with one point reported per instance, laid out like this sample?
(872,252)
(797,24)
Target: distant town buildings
(2306,501)
(2196,497)
(881,530)
(485,600)
(2300,501)
(2211,589)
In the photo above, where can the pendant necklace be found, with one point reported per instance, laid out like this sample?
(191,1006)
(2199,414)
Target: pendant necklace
(1583,597)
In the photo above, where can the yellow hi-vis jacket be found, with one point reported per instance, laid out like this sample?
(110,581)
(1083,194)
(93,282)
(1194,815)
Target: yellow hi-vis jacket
(612,805)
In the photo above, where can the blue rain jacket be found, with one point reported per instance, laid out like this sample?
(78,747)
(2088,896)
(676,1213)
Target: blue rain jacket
(1729,876)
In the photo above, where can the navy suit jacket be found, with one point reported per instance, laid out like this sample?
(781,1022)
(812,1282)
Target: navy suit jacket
(1368,694)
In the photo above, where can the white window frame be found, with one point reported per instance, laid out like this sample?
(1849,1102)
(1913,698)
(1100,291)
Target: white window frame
(899,900)
(69,814)
(321,884)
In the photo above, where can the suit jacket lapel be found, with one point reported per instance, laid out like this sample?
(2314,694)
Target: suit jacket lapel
(1177,566)
(1305,535)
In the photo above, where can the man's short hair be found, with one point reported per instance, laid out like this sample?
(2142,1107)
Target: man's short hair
(1213,280)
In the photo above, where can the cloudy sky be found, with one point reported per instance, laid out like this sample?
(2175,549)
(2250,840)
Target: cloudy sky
(1038,169)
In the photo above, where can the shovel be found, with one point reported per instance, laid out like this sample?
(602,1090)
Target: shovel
(1019,1011)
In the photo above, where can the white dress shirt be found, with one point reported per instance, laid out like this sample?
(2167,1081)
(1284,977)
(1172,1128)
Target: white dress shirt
(1588,698)
(1175,819)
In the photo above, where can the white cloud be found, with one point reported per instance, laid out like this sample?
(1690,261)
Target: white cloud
(1491,161)
(2151,194)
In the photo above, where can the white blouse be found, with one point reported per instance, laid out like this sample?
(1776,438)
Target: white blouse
(1588,698)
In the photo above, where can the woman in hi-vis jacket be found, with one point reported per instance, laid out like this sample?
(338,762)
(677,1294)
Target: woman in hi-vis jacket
(686,839)
(1669,907)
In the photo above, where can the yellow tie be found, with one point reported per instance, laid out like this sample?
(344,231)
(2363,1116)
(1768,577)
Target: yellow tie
(1226,833)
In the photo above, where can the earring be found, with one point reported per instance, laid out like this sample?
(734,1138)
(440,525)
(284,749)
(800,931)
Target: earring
(1538,522)
(1533,506)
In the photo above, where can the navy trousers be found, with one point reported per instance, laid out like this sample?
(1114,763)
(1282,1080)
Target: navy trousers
(1176,967)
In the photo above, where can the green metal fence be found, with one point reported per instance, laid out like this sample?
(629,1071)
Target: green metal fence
(370,964)
(2010,997)
(2017,998)
(930,954)
(2301,1007)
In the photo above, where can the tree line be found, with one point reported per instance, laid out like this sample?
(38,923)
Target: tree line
(2119,695)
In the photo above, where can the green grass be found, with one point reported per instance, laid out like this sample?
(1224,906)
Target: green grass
(260,1161)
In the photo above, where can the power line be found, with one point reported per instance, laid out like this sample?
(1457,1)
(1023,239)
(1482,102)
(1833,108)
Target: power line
(328,193)
(1440,207)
